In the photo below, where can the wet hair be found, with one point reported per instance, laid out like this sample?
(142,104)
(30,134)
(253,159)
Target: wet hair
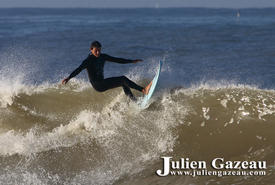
(95,44)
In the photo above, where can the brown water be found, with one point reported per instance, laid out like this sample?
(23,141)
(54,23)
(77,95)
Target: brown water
(74,135)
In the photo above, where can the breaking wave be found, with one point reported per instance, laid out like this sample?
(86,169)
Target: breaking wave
(104,138)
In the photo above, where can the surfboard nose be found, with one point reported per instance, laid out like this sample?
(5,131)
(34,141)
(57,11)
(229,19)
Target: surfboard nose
(153,84)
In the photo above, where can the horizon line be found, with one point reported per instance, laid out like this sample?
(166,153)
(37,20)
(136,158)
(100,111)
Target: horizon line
(199,7)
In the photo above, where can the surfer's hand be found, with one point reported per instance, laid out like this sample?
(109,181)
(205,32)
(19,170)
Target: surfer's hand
(137,60)
(65,81)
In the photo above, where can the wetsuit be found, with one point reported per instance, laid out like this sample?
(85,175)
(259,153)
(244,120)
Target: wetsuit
(95,68)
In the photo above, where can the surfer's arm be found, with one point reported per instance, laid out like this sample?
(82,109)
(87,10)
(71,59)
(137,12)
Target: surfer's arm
(76,71)
(120,60)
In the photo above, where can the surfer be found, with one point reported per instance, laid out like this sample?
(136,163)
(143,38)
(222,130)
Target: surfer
(94,64)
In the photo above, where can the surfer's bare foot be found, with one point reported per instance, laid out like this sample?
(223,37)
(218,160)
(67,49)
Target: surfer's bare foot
(147,88)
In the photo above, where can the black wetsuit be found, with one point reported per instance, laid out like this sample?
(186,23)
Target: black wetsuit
(95,68)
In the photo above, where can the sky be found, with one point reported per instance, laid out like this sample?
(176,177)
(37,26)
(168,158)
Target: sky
(137,3)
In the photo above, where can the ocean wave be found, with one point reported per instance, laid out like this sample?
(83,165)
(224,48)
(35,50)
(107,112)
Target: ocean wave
(110,131)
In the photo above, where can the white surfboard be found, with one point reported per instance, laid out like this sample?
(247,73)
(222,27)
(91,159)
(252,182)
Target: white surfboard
(147,97)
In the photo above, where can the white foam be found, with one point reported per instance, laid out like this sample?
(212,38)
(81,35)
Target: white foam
(86,125)
(205,111)
(224,103)
(214,85)
(23,176)
(10,88)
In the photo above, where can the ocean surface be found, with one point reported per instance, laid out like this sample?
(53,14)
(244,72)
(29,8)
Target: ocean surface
(215,96)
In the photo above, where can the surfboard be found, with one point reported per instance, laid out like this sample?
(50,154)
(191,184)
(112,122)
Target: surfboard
(147,97)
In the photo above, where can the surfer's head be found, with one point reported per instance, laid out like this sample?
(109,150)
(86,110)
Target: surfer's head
(95,48)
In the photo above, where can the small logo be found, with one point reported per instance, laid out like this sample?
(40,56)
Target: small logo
(219,166)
